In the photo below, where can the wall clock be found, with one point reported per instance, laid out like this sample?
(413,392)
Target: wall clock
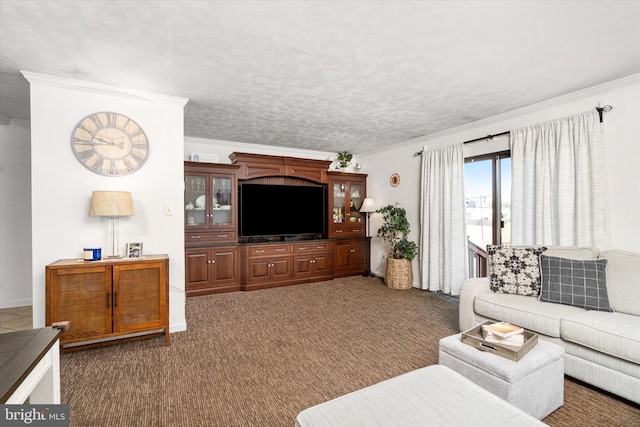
(394,180)
(110,144)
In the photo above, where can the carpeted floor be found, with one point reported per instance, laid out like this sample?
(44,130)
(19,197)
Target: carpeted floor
(258,358)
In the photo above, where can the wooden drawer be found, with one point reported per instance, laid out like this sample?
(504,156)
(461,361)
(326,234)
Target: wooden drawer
(269,250)
(351,230)
(300,248)
(312,173)
(213,237)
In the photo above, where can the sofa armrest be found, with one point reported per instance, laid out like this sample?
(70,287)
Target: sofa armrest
(470,288)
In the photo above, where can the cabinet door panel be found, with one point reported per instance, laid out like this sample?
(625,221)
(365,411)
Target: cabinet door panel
(359,257)
(322,264)
(91,286)
(225,266)
(197,267)
(342,255)
(259,270)
(302,266)
(138,292)
(281,268)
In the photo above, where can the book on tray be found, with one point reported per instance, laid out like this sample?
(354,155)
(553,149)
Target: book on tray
(504,333)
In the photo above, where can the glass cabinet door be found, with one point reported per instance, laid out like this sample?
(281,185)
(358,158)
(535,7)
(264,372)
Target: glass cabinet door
(339,194)
(221,200)
(355,203)
(195,214)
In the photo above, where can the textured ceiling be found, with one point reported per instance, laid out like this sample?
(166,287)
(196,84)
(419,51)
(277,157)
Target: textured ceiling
(328,76)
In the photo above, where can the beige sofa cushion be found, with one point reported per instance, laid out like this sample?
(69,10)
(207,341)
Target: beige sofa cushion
(573,252)
(623,280)
(617,334)
(525,311)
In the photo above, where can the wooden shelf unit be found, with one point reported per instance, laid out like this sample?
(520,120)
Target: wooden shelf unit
(108,300)
(216,260)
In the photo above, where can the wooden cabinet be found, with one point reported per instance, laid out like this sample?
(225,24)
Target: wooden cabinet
(266,266)
(211,270)
(347,192)
(218,260)
(108,300)
(210,203)
(350,257)
(312,260)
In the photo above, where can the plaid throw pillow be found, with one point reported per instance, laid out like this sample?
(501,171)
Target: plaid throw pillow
(581,283)
(514,270)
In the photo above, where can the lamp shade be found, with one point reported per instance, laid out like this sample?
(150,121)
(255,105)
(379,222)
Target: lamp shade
(369,205)
(111,203)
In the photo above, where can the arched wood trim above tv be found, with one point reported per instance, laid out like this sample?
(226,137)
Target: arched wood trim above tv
(260,165)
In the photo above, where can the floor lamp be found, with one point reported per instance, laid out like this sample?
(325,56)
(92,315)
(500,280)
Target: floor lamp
(112,204)
(368,206)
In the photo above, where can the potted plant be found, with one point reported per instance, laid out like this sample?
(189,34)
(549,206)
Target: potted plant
(394,231)
(344,159)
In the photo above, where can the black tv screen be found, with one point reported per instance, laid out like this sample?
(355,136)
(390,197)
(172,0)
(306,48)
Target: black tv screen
(282,210)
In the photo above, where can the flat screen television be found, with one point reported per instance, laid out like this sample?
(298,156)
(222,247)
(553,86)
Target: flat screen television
(268,210)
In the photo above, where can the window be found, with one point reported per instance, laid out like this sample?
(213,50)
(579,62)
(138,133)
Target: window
(488,192)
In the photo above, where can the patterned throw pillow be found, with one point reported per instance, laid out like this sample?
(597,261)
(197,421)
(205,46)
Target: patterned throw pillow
(581,283)
(514,270)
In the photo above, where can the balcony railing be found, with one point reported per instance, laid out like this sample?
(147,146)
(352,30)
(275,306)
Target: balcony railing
(477,260)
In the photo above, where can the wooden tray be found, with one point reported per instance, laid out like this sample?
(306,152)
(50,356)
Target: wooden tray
(474,338)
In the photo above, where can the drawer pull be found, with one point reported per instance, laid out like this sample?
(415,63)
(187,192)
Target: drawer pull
(280,250)
(222,235)
(338,231)
(261,251)
(196,237)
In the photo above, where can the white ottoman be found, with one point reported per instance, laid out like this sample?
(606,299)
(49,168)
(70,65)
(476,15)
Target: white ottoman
(431,396)
(535,384)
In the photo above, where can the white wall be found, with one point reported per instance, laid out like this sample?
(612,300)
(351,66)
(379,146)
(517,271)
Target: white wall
(622,144)
(61,186)
(15,214)
(224,148)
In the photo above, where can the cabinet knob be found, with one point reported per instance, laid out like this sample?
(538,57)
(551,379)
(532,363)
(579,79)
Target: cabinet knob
(352,250)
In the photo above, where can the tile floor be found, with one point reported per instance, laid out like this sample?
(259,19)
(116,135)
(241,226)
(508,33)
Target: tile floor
(15,319)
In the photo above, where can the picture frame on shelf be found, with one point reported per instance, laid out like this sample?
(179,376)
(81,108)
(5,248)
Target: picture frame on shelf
(134,250)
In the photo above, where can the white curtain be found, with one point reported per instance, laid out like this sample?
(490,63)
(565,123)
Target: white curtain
(558,188)
(443,235)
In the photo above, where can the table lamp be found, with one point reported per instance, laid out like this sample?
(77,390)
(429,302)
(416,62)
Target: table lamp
(112,204)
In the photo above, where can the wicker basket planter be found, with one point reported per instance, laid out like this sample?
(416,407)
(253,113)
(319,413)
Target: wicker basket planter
(399,274)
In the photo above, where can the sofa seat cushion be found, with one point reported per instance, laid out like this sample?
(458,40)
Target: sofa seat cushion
(617,334)
(525,311)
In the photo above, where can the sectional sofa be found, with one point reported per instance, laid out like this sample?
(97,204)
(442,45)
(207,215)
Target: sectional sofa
(602,348)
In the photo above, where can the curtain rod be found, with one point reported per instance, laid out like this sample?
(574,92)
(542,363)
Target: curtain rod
(600,110)
(489,137)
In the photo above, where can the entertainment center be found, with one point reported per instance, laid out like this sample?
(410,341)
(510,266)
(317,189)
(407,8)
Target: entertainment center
(267,221)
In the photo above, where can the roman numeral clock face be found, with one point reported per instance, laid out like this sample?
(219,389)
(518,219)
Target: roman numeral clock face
(110,144)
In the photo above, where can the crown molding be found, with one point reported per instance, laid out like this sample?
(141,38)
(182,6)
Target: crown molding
(84,86)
